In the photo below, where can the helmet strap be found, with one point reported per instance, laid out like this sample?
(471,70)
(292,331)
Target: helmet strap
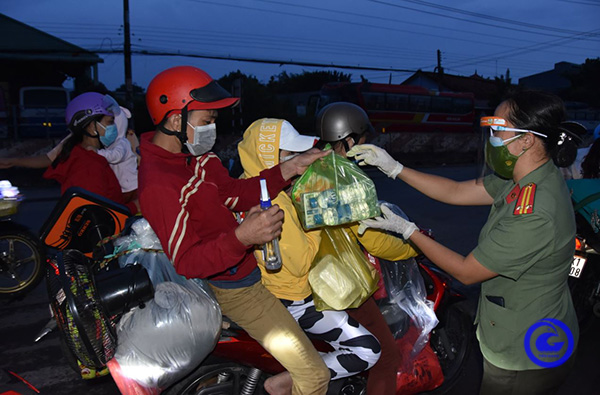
(95,136)
(345,143)
(182,134)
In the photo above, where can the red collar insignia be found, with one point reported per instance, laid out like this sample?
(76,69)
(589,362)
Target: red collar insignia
(512,195)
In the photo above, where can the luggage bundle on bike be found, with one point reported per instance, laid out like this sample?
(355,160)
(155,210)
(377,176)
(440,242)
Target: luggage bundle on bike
(164,323)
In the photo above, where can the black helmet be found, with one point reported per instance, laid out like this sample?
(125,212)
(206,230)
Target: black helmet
(339,120)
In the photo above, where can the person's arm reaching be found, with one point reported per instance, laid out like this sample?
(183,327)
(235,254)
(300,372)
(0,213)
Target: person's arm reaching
(34,162)
(439,188)
(241,194)
(467,269)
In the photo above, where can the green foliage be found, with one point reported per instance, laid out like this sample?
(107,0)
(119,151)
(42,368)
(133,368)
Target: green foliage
(135,89)
(272,100)
(306,81)
(257,102)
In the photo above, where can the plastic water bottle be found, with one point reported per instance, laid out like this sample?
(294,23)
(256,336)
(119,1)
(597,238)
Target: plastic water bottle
(352,193)
(327,199)
(271,253)
(330,216)
(360,210)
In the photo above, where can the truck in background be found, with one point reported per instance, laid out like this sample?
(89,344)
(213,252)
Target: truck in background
(37,111)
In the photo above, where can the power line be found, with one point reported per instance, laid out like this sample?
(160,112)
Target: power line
(239,6)
(462,19)
(526,49)
(236,58)
(488,17)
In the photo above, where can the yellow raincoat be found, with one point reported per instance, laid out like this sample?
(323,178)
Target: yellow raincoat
(259,150)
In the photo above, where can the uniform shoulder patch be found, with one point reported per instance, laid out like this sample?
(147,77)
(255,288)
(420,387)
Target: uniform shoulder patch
(525,200)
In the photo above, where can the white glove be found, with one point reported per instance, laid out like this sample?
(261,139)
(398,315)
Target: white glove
(389,221)
(373,155)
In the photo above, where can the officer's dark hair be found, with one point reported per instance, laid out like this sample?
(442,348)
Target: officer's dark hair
(543,112)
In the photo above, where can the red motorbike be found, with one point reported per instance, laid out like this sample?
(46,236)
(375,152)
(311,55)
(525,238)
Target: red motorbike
(239,365)
(87,302)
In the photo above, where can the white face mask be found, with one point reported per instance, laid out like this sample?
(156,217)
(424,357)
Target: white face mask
(204,139)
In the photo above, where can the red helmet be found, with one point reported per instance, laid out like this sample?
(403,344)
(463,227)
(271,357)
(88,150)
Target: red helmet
(175,88)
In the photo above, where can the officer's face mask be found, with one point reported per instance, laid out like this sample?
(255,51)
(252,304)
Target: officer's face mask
(497,155)
(499,158)
(110,134)
(204,139)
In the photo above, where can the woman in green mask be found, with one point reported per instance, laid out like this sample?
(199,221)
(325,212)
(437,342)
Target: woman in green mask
(526,323)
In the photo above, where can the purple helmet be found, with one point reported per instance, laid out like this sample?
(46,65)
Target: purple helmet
(81,109)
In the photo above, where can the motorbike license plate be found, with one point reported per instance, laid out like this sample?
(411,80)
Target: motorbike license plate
(577,266)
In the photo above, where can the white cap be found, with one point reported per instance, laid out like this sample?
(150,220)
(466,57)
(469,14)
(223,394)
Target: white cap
(291,140)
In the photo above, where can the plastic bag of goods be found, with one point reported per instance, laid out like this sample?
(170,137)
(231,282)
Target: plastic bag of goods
(340,275)
(163,342)
(334,191)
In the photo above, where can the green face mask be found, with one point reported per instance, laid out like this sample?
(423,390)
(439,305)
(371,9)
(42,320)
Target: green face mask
(500,160)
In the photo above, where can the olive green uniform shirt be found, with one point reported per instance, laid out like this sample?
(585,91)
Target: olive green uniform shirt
(532,254)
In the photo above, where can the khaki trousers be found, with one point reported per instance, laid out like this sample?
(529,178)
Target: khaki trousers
(267,321)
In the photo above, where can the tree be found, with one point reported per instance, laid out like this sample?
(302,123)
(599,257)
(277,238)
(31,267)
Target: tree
(141,118)
(135,88)
(306,81)
(257,102)
(585,85)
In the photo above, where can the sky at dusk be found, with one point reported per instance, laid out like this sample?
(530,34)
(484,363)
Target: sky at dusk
(487,37)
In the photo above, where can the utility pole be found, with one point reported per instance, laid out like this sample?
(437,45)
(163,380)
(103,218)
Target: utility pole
(127,56)
(439,67)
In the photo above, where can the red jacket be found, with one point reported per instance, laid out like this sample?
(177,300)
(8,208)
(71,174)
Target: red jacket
(90,171)
(189,203)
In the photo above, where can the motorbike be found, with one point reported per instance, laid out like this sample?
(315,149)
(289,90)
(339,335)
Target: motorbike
(237,364)
(584,275)
(22,256)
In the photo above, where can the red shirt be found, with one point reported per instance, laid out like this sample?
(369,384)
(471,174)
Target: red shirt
(90,171)
(189,202)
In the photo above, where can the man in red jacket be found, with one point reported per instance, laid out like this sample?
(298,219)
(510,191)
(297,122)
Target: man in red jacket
(188,197)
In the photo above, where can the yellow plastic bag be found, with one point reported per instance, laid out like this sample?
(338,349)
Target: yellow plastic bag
(340,275)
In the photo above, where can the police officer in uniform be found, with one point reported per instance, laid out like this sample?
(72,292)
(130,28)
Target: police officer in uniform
(527,328)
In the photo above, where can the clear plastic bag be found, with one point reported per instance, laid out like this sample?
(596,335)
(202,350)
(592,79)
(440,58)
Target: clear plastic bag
(163,342)
(334,191)
(406,289)
(340,275)
(168,338)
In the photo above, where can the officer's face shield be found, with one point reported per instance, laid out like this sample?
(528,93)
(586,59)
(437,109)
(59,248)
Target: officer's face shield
(493,154)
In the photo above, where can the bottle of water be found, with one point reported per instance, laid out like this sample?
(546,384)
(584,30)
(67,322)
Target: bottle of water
(327,199)
(359,210)
(271,253)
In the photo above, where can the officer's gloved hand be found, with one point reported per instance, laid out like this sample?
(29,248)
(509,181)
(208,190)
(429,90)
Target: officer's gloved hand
(373,155)
(389,221)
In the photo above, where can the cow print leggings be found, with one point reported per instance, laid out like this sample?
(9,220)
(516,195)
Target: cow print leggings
(355,348)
